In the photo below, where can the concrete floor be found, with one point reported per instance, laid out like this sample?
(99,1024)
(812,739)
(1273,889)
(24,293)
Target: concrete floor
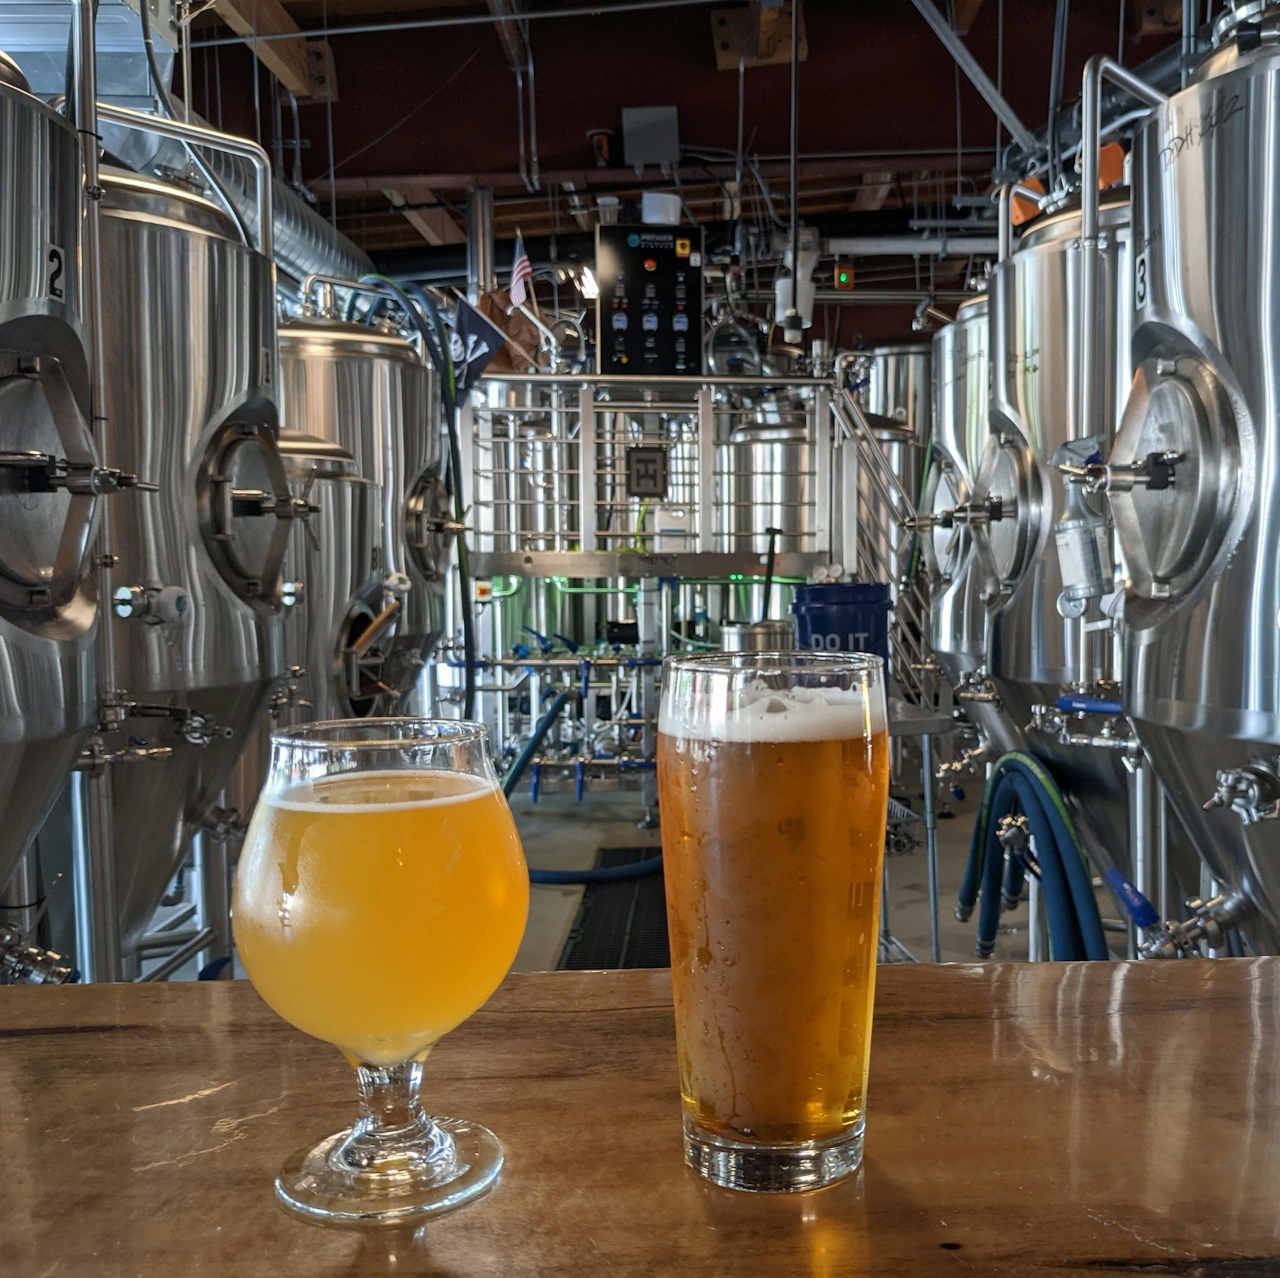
(560,833)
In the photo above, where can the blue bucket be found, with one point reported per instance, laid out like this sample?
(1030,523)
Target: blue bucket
(843,617)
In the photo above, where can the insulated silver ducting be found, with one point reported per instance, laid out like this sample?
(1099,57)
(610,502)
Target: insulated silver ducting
(305,244)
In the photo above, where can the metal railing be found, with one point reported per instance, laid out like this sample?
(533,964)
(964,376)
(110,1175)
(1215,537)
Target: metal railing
(664,465)
(887,550)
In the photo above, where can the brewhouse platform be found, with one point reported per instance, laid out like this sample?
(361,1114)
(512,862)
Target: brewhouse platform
(1025,1119)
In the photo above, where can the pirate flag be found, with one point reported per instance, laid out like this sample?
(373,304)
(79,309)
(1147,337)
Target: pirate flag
(475,341)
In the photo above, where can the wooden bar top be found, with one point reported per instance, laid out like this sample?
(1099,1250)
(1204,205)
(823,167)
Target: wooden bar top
(1055,1119)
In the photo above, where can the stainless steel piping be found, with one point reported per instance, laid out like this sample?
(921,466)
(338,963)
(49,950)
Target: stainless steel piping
(594,11)
(793,330)
(99,943)
(1096,69)
(534,170)
(213,141)
(480,273)
(1189,8)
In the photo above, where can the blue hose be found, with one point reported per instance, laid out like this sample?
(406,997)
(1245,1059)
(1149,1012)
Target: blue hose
(610,874)
(570,878)
(1019,783)
(1074,703)
(535,740)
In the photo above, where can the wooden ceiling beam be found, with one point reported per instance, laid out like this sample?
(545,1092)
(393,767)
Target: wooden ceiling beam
(285,59)
(966,12)
(436,226)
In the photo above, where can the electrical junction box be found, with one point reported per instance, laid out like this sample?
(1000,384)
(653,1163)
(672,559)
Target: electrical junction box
(651,136)
(649,316)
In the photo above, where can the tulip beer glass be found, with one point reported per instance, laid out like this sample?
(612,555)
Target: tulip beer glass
(773,777)
(379,901)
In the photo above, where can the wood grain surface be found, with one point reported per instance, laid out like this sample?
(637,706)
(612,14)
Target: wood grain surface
(1024,1120)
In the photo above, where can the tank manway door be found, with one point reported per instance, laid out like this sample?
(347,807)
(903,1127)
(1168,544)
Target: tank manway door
(246,510)
(946,542)
(49,486)
(430,526)
(1006,509)
(1173,475)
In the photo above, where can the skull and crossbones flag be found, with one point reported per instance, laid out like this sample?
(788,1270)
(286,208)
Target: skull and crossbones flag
(474,342)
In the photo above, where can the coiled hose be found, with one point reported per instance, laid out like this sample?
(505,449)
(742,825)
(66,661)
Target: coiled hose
(1020,784)
(569,878)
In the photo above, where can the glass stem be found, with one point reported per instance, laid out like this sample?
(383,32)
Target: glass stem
(389,1103)
(393,1133)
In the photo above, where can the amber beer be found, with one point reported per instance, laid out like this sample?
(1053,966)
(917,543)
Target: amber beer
(773,774)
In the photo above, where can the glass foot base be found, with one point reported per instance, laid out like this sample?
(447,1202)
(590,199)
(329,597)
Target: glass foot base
(772,1168)
(342,1181)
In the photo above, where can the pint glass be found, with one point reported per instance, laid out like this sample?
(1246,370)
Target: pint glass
(773,778)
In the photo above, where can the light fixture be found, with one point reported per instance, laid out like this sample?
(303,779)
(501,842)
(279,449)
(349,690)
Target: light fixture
(587,285)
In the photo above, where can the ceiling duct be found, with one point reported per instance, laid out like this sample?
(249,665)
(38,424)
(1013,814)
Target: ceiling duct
(35,35)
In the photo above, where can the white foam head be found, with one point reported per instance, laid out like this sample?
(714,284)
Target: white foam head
(760,714)
(346,792)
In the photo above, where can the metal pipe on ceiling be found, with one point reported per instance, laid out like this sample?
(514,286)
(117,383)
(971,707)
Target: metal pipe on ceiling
(419,24)
(977,76)
(793,330)
(913,246)
(481,276)
(875,296)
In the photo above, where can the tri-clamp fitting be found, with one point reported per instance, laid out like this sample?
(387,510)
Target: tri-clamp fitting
(1252,793)
(155,605)
(976,685)
(966,763)
(46,473)
(22,964)
(1208,925)
(1155,472)
(968,514)
(1113,735)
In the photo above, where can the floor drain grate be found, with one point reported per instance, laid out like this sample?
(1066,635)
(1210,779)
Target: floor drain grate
(621,924)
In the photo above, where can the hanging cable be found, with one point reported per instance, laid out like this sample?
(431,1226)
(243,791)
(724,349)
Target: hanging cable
(1057,72)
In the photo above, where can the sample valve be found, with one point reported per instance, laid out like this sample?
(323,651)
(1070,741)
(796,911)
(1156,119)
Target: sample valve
(1207,927)
(1155,472)
(1252,793)
(155,605)
(45,473)
(968,514)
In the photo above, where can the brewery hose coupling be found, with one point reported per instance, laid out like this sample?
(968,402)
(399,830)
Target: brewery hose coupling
(23,964)
(1207,927)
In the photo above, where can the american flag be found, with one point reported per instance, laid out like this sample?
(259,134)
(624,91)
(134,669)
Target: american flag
(521,274)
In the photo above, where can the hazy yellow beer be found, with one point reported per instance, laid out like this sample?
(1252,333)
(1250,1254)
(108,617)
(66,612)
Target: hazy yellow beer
(773,774)
(379,910)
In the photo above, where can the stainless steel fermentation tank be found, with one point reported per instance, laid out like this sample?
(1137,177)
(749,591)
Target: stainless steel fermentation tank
(1202,610)
(958,615)
(896,395)
(361,440)
(48,599)
(1048,633)
(191,386)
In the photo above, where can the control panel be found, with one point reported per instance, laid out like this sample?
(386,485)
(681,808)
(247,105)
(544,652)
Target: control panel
(649,317)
